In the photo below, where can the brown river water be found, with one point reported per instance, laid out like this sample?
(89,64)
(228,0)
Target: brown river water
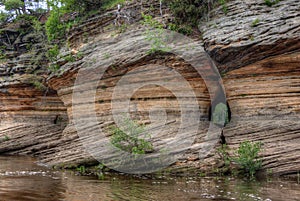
(21,179)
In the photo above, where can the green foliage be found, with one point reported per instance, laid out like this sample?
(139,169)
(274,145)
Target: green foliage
(37,26)
(5,138)
(129,139)
(108,4)
(247,157)
(2,56)
(81,5)
(223,152)
(100,166)
(271,2)
(38,85)
(72,5)
(54,28)
(81,169)
(99,171)
(53,68)
(79,55)
(14,5)
(155,34)
(188,11)
(53,53)
(69,58)
(220,115)
(224,6)
(4,17)
(255,22)
(106,55)
(149,21)
(27,19)
(183,29)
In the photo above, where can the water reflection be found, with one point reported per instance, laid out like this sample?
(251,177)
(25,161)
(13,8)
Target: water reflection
(21,179)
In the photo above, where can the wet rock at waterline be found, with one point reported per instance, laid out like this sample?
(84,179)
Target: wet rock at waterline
(259,65)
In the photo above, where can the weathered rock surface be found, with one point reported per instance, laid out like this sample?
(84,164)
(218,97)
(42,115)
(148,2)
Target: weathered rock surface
(128,57)
(32,116)
(31,119)
(258,46)
(251,31)
(259,61)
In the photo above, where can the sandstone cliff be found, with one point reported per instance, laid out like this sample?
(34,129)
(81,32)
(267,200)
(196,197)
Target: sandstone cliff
(32,115)
(255,47)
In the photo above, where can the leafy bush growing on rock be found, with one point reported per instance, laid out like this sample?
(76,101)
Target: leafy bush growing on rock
(247,157)
(132,138)
(271,2)
(155,34)
(53,53)
(54,28)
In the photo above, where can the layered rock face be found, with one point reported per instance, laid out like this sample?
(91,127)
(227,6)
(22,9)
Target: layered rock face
(32,116)
(157,88)
(251,31)
(258,50)
(31,119)
(255,47)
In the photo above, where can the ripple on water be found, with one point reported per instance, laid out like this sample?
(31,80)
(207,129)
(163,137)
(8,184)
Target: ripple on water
(22,180)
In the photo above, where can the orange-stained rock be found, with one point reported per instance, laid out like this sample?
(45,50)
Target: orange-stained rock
(260,68)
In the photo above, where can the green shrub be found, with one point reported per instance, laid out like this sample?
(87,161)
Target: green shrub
(54,27)
(53,68)
(155,34)
(255,22)
(38,85)
(4,17)
(14,5)
(224,6)
(53,53)
(150,22)
(271,2)
(2,56)
(188,11)
(131,138)
(108,4)
(183,29)
(81,169)
(5,138)
(223,151)
(82,6)
(69,58)
(37,26)
(247,157)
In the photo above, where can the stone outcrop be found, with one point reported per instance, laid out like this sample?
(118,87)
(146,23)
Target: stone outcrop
(32,116)
(31,119)
(251,31)
(121,56)
(258,50)
(255,47)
